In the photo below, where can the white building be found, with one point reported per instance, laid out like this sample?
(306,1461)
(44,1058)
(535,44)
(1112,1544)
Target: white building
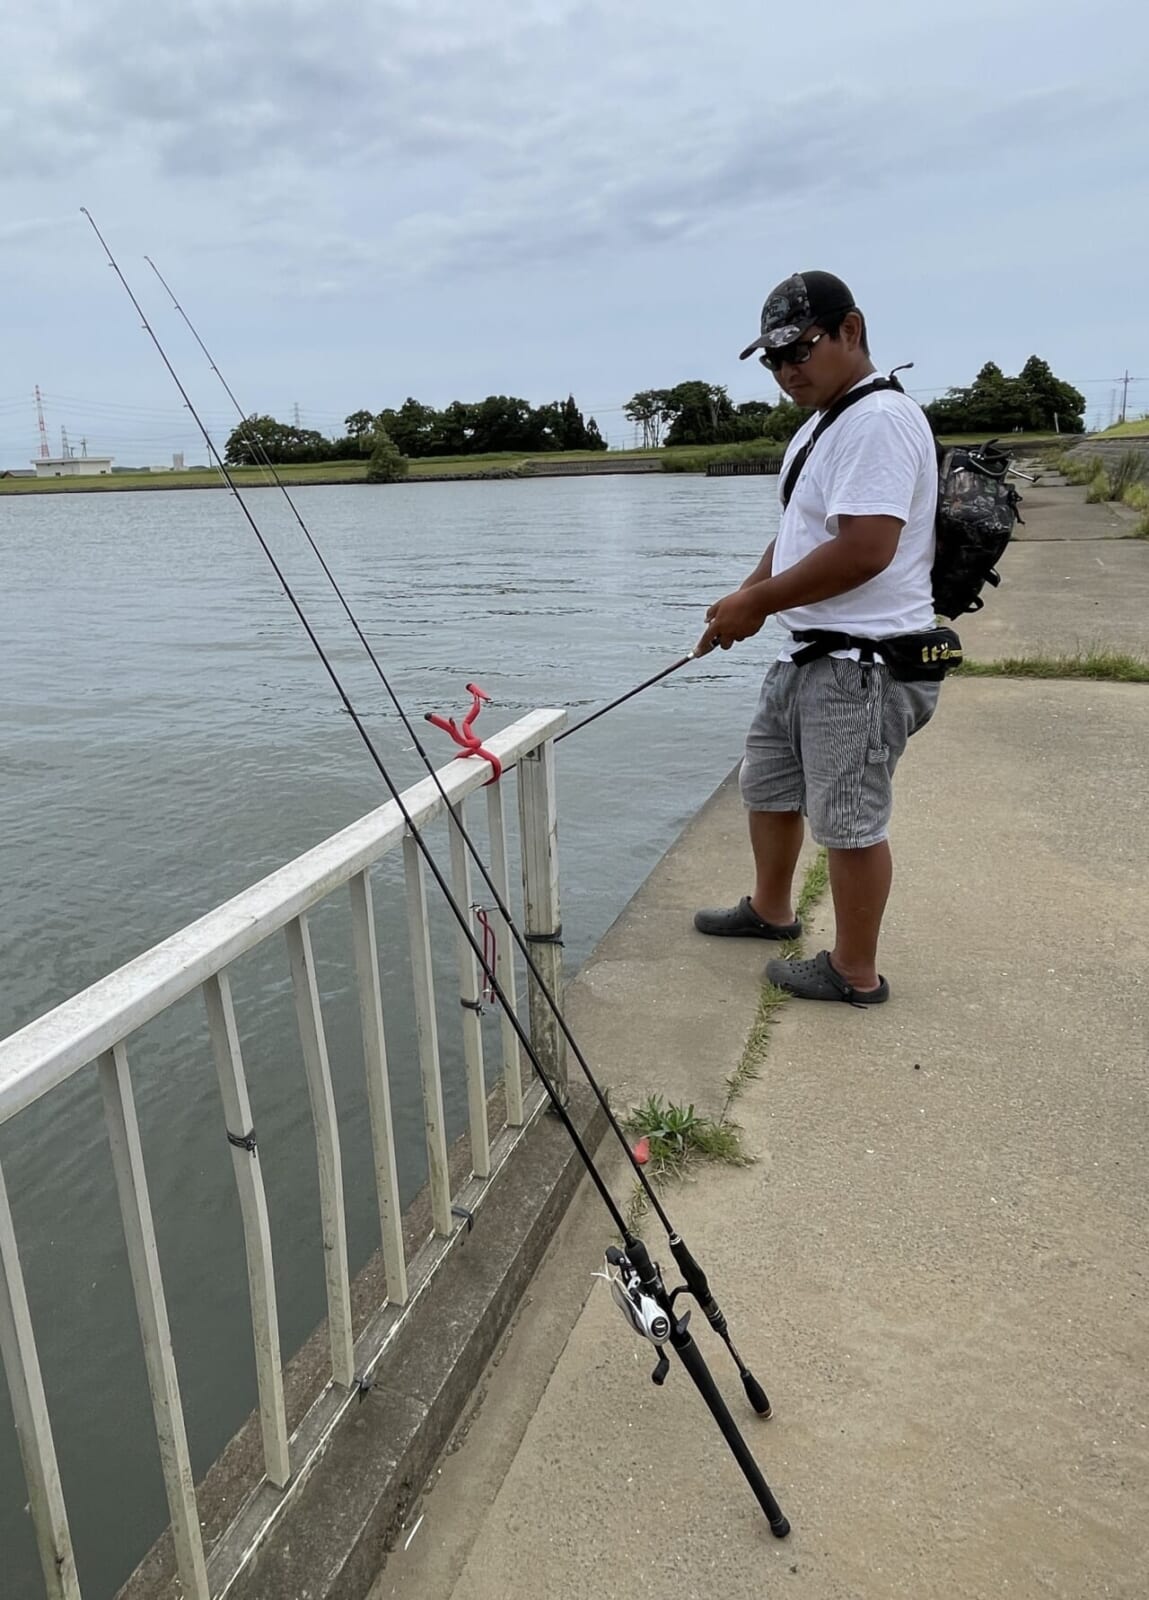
(72,466)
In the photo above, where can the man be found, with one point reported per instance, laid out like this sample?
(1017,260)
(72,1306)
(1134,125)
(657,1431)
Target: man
(852,557)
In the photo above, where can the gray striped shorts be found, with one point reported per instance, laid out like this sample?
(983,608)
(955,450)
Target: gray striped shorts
(825,741)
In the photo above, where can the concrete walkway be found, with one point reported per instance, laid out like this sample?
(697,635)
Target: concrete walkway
(936,1264)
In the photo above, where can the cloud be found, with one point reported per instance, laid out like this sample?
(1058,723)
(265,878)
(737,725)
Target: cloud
(357,166)
(21,230)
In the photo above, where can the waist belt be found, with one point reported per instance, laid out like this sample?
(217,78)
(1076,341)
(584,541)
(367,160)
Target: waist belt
(823,644)
(911,657)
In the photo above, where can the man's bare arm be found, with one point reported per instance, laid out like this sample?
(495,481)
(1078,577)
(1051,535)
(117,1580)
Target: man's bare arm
(864,547)
(764,569)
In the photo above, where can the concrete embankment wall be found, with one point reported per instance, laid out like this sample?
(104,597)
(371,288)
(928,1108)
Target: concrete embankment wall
(1111,450)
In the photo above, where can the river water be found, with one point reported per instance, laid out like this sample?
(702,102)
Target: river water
(168,739)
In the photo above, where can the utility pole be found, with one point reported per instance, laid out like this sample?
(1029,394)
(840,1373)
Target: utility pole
(1124,393)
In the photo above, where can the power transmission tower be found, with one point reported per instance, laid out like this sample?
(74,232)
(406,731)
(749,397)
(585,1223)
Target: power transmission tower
(295,413)
(45,453)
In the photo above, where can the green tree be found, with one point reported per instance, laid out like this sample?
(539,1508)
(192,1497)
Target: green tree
(546,428)
(785,420)
(502,423)
(387,463)
(359,424)
(456,428)
(574,432)
(649,408)
(1050,402)
(702,413)
(414,427)
(995,403)
(259,438)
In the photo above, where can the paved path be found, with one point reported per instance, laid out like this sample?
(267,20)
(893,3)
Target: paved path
(937,1264)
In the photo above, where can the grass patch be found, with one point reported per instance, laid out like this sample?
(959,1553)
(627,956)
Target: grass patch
(1127,472)
(204,478)
(1008,440)
(1123,479)
(697,459)
(1139,428)
(814,885)
(318,472)
(1100,666)
(1079,470)
(680,1137)
(749,1068)
(1136,497)
(772,999)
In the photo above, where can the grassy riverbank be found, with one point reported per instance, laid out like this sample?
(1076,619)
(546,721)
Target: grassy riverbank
(685,459)
(322,472)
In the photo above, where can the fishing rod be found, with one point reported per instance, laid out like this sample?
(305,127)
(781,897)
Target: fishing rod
(629,695)
(521,943)
(696,1280)
(636,1281)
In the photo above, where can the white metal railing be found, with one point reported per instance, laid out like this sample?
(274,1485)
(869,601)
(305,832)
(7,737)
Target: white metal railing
(96,1025)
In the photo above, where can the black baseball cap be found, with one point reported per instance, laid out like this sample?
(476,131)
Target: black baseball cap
(795,304)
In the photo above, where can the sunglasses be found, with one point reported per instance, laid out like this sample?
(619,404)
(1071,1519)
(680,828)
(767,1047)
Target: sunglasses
(794,355)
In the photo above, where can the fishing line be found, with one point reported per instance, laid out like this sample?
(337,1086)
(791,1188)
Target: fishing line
(623,698)
(695,1277)
(642,1276)
(384,773)
(521,943)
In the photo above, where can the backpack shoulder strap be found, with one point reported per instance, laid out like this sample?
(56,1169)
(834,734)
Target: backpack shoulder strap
(831,416)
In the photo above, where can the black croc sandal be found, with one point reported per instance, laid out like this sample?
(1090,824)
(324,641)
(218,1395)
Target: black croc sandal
(743,922)
(819,980)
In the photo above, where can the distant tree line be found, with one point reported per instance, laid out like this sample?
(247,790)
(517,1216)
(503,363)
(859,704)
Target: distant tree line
(698,413)
(691,413)
(500,423)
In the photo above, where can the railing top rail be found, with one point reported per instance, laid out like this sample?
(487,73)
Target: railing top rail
(57,1044)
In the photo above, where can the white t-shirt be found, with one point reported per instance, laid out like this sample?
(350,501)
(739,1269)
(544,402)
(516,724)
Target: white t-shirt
(877,459)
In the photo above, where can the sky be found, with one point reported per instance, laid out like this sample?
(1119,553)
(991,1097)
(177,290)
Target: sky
(360,200)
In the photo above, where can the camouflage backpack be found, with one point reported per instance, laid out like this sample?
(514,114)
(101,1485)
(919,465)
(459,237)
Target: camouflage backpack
(976,509)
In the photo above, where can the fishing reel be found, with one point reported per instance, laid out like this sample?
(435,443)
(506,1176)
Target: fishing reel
(637,1290)
(643,1313)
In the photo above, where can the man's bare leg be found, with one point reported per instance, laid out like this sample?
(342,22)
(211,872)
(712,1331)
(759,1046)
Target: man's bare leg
(860,883)
(776,839)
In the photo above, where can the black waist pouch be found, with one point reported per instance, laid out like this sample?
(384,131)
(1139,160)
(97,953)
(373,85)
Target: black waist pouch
(921,657)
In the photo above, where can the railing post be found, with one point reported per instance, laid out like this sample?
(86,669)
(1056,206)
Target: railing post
(538,822)
(505,962)
(471,983)
(422,977)
(30,1411)
(144,1262)
(378,1087)
(322,1096)
(256,1227)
